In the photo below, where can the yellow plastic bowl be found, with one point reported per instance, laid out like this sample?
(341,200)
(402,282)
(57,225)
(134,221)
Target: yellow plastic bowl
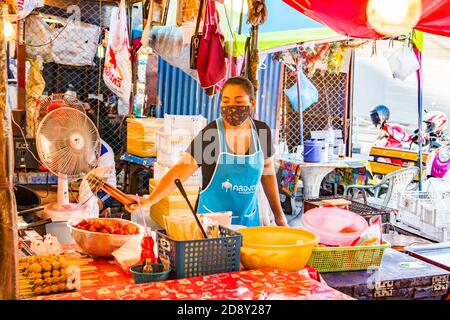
(277,247)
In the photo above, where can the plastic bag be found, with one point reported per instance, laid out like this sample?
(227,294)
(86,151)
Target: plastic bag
(25,7)
(129,254)
(50,245)
(34,88)
(308,93)
(372,236)
(403,62)
(117,71)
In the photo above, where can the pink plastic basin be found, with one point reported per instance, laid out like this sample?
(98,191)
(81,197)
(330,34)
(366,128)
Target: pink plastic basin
(334,226)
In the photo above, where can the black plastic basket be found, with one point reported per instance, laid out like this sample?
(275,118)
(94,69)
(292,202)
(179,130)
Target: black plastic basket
(202,257)
(364,210)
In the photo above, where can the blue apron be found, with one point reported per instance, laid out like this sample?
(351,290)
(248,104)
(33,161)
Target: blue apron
(234,184)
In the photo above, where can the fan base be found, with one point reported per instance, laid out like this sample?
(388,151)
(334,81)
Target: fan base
(58,212)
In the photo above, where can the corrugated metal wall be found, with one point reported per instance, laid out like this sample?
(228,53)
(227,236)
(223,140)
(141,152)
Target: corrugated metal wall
(180,94)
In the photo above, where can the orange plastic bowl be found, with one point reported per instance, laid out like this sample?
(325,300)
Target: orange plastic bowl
(277,247)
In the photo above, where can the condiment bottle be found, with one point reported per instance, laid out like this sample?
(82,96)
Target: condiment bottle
(147,268)
(147,245)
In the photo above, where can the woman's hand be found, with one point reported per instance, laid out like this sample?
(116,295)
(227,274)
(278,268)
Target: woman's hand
(281,222)
(145,202)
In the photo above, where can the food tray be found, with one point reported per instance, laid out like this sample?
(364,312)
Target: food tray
(364,210)
(202,257)
(333,259)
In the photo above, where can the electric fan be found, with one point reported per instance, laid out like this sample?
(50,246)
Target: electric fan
(68,145)
(55,101)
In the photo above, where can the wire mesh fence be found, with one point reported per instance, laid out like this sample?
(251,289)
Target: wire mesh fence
(329,109)
(66,36)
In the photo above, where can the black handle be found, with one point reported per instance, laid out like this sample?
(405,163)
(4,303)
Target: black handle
(37,224)
(197,201)
(183,193)
(30,210)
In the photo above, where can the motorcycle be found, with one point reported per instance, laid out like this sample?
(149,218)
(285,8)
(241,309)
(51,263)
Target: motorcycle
(393,136)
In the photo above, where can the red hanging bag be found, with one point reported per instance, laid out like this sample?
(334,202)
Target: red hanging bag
(211,64)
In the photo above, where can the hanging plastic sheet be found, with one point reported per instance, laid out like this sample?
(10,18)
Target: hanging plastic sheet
(35,88)
(72,42)
(168,43)
(309,93)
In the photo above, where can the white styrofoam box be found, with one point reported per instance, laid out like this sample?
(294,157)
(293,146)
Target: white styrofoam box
(168,159)
(159,170)
(183,125)
(172,142)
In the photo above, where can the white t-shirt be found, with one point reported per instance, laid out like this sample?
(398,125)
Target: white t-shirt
(85,196)
(107,160)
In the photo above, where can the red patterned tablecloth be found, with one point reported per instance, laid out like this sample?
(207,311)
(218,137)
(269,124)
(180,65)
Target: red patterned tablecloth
(103,279)
(264,284)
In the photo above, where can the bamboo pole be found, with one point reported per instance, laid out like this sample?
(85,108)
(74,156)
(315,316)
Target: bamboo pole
(9,275)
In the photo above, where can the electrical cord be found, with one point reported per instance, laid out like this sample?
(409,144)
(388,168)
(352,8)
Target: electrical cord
(26,143)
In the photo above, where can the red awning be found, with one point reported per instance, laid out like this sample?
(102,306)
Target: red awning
(348,17)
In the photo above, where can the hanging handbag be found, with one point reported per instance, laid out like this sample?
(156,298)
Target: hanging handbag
(195,40)
(211,64)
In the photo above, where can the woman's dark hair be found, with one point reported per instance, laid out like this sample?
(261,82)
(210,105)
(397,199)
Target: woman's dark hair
(242,82)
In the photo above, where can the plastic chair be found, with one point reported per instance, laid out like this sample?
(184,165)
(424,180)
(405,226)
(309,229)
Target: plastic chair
(388,189)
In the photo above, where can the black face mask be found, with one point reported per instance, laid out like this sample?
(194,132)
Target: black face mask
(236,114)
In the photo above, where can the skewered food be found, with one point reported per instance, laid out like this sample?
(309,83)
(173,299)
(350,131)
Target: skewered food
(46,274)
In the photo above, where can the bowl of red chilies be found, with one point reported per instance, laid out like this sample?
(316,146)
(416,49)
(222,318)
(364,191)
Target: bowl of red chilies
(102,236)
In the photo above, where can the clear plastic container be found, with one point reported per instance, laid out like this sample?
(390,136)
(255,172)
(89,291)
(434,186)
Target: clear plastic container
(168,159)
(169,143)
(159,170)
(183,125)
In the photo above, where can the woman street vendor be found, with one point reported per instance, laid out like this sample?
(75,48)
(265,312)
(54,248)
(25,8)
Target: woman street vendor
(234,153)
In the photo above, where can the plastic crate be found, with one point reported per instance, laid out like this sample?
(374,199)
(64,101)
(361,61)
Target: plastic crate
(364,210)
(202,257)
(334,259)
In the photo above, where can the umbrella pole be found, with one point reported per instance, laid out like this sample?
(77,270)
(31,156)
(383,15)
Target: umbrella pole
(299,103)
(420,111)
(9,278)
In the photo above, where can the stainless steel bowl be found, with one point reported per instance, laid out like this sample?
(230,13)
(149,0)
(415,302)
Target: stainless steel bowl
(100,244)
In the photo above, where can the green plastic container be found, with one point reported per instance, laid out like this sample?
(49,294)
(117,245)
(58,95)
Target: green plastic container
(140,277)
(334,259)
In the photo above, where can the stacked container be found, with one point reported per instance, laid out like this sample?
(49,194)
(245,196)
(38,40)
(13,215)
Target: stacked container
(141,136)
(172,141)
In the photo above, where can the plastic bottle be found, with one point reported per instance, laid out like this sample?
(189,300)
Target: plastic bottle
(147,266)
(71,90)
(330,143)
(147,252)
